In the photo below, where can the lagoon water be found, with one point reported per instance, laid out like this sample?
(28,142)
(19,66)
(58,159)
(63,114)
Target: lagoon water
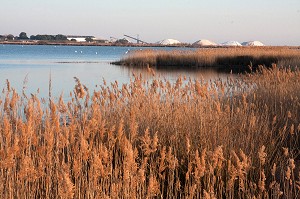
(31,66)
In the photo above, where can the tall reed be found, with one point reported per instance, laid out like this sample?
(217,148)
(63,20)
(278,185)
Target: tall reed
(156,139)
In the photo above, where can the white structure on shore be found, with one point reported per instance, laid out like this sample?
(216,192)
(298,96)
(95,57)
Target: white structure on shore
(231,43)
(204,42)
(253,43)
(78,38)
(168,42)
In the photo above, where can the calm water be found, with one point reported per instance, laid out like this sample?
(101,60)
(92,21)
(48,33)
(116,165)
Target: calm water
(91,64)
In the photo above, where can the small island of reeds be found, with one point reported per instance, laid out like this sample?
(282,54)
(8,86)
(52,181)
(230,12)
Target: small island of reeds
(237,59)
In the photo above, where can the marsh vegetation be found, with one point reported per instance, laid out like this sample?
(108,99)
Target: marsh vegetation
(155,139)
(237,59)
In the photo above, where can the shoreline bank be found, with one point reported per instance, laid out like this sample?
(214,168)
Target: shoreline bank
(88,44)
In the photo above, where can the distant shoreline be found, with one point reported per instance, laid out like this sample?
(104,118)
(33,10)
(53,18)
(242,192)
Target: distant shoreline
(88,44)
(126,45)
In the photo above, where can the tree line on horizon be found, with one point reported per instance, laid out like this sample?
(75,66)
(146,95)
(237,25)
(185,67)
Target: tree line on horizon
(23,36)
(46,37)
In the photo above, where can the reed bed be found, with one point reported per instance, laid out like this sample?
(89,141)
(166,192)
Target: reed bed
(155,139)
(234,58)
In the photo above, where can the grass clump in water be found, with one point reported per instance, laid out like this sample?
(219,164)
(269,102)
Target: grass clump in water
(237,58)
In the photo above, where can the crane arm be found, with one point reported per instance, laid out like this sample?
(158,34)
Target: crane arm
(136,39)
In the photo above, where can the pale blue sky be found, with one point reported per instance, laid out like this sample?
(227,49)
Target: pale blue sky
(274,22)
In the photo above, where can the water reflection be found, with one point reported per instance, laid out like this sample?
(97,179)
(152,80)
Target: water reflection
(173,74)
(91,75)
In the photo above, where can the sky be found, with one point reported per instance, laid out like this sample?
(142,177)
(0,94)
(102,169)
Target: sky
(273,22)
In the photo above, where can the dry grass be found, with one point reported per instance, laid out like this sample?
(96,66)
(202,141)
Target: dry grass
(238,58)
(233,139)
